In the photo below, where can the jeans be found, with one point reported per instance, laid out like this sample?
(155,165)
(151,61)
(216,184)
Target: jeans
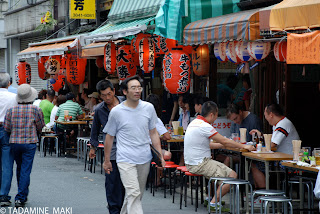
(114,190)
(134,179)
(7,162)
(23,155)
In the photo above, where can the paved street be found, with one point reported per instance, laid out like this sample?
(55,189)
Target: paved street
(61,183)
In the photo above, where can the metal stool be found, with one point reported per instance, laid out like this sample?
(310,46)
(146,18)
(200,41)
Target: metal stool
(308,183)
(236,195)
(274,199)
(266,192)
(216,179)
(42,144)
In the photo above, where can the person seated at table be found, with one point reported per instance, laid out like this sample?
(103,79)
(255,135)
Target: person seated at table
(74,111)
(41,96)
(198,145)
(60,100)
(198,102)
(184,117)
(283,133)
(46,105)
(88,105)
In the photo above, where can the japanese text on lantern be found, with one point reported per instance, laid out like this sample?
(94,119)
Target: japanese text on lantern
(221,125)
(82,9)
(303,48)
(168,63)
(183,82)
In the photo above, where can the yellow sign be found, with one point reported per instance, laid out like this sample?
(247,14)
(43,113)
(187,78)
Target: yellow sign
(82,9)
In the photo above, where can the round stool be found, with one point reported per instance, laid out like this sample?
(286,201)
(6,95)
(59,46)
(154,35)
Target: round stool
(274,199)
(42,144)
(236,196)
(165,169)
(216,179)
(197,182)
(306,182)
(266,192)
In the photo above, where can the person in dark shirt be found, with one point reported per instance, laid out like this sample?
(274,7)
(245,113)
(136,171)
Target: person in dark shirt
(113,184)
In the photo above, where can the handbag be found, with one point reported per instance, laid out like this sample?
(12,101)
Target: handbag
(156,156)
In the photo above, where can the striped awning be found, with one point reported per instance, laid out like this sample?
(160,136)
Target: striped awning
(242,25)
(116,31)
(93,49)
(295,15)
(127,10)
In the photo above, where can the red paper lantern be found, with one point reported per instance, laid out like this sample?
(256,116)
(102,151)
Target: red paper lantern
(42,72)
(22,72)
(134,54)
(280,51)
(125,67)
(146,55)
(138,38)
(176,71)
(156,41)
(52,66)
(200,60)
(110,57)
(99,62)
(166,44)
(63,62)
(60,81)
(76,70)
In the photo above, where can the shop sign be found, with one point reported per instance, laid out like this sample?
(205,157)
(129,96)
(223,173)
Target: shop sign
(82,9)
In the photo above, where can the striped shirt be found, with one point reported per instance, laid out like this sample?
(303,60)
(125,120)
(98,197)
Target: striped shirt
(73,108)
(25,122)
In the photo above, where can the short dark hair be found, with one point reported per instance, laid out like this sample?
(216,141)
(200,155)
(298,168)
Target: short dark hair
(275,109)
(86,91)
(61,99)
(51,93)
(103,85)
(42,94)
(124,84)
(70,96)
(209,107)
(154,100)
(233,109)
(199,99)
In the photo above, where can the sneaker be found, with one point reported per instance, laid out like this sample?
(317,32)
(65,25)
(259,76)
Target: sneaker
(219,206)
(206,201)
(19,203)
(5,201)
(256,202)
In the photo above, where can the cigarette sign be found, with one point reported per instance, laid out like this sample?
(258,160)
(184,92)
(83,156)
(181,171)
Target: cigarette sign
(82,9)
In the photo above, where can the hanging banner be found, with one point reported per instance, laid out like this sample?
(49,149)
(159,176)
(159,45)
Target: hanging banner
(82,9)
(303,48)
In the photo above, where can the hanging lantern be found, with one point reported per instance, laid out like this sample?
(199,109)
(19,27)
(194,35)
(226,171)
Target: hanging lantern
(259,50)
(280,51)
(200,60)
(125,67)
(110,57)
(242,51)
(60,81)
(63,62)
(22,72)
(42,72)
(219,50)
(176,71)
(166,44)
(231,52)
(99,62)
(134,54)
(138,38)
(52,66)
(156,41)
(76,70)
(146,55)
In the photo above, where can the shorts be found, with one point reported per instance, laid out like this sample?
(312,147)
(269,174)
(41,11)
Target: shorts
(210,168)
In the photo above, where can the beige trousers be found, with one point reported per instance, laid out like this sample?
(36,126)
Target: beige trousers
(134,179)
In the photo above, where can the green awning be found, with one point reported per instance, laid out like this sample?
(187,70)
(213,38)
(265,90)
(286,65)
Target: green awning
(174,15)
(121,30)
(127,10)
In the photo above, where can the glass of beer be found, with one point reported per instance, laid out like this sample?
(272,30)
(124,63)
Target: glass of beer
(316,154)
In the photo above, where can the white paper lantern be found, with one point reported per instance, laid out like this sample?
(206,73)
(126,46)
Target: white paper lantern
(280,51)
(259,50)
(242,51)
(231,52)
(52,66)
(146,55)
(219,50)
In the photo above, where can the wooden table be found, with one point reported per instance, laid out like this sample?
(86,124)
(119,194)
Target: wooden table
(174,140)
(73,122)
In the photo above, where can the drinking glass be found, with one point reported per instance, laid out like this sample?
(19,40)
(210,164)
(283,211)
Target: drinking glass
(316,154)
(235,137)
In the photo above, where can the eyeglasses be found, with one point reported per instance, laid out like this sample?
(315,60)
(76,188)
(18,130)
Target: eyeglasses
(136,88)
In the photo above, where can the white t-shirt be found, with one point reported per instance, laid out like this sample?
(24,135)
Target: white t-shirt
(131,128)
(37,102)
(283,134)
(197,141)
(8,100)
(161,129)
(52,117)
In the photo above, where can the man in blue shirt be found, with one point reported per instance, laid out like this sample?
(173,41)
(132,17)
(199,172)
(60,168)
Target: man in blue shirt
(113,184)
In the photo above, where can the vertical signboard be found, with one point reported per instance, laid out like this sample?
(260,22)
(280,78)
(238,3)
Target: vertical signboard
(82,9)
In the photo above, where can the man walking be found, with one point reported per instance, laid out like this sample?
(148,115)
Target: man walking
(132,122)
(113,184)
(8,100)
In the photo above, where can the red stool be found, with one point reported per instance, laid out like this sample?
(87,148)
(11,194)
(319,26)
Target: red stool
(185,178)
(101,149)
(182,169)
(165,169)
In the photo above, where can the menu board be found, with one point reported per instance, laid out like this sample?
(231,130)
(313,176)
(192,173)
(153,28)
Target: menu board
(303,48)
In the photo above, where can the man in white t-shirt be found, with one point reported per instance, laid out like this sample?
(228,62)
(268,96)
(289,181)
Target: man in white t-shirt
(283,134)
(197,147)
(132,122)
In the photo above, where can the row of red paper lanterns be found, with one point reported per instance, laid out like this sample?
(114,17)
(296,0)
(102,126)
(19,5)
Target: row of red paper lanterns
(57,68)
(240,51)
